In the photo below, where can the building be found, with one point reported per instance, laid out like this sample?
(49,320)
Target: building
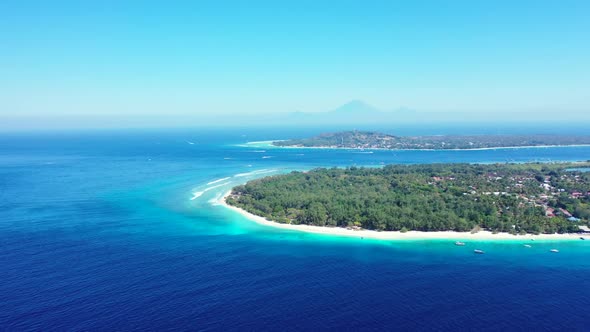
(550,212)
(565,212)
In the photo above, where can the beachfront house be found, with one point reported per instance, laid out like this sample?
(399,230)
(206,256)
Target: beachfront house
(565,212)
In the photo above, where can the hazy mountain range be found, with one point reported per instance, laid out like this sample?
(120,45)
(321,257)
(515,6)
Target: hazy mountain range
(352,112)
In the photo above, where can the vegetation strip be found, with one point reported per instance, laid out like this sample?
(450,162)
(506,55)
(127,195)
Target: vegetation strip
(375,140)
(515,198)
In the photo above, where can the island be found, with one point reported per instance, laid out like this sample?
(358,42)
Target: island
(375,140)
(530,198)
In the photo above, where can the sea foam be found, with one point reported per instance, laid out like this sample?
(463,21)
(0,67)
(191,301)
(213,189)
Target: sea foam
(198,194)
(261,171)
(218,180)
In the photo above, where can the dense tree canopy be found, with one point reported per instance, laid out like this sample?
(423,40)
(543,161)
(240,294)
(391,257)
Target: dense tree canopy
(511,198)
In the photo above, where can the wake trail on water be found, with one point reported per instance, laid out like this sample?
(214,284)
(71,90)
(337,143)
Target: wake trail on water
(218,180)
(262,171)
(215,200)
(198,194)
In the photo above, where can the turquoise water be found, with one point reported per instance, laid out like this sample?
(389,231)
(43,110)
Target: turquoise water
(579,169)
(99,232)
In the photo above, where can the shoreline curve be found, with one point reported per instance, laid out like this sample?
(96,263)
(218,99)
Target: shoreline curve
(396,235)
(268,144)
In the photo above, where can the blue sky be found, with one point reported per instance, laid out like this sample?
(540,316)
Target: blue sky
(63,59)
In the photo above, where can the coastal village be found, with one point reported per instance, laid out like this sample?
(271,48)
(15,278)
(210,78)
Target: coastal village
(551,193)
(531,198)
(375,140)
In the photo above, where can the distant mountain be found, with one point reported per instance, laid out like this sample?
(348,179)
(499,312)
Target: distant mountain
(353,112)
(356,107)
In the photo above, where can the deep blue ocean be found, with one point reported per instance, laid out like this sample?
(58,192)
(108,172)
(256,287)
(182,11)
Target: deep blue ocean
(98,232)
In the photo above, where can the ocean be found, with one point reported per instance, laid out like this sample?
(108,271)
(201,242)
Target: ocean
(118,230)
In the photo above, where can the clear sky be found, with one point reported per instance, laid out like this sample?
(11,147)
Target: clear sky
(61,59)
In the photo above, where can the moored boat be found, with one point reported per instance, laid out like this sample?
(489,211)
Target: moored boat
(527,245)
(554,250)
(459,243)
(478,251)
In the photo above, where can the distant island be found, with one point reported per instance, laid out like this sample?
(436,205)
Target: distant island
(374,140)
(531,198)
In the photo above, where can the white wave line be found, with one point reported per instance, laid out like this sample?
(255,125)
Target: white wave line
(262,171)
(199,193)
(218,180)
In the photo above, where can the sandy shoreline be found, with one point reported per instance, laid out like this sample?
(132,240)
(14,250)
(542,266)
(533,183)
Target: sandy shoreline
(390,235)
(268,144)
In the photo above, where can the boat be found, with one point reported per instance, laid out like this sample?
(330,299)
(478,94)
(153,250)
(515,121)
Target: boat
(478,251)
(554,250)
(459,243)
(582,238)
(527,245)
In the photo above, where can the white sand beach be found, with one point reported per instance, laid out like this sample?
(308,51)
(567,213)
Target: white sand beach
(268,144)
(390,235)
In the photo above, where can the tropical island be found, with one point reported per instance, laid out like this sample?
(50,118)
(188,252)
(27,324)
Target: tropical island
(531,198)
(375,140)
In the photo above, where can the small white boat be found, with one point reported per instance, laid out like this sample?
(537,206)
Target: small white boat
(459,243)
(554,250)
(478,251)
(527,246)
